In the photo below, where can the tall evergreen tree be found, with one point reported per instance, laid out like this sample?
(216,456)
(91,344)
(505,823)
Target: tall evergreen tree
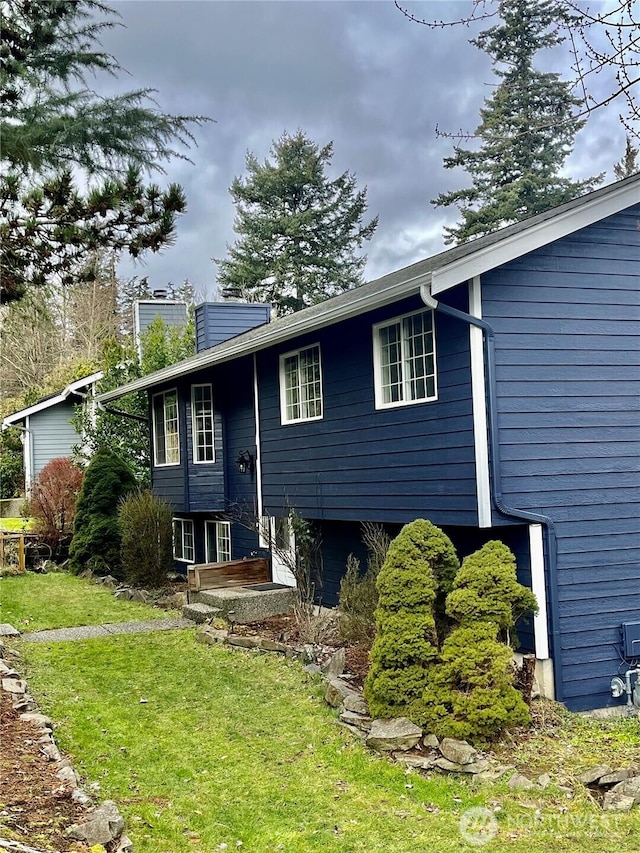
(298,229)
(526,129)
(52,121)
(629,164)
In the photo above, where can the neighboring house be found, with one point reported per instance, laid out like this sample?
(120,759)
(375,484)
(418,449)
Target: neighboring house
(47,429)
(493,389)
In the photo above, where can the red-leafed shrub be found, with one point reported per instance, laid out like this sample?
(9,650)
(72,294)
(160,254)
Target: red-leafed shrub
(53,501)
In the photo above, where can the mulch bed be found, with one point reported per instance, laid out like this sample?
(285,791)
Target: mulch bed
(35,806)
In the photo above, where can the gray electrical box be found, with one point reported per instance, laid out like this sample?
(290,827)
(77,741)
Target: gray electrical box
(631,639)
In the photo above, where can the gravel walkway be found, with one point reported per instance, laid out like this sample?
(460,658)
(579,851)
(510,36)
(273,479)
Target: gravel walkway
(87,632)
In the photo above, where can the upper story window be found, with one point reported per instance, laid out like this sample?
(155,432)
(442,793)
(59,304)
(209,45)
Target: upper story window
(217,541)
(404,360)
(202,423)
(301,385)
(183,540)
(166,436)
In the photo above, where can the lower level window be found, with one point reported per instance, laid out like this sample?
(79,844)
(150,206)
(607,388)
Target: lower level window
(217,541)
(183,540)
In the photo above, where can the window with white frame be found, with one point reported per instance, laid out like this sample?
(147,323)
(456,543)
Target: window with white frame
(217,541)
(183,540)
(301,385)
(405,360)
(202,423)
(166,434)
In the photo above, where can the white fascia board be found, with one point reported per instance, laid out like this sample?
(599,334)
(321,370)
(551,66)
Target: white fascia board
(273,334)
(72,388)
(16,417)
(530,239)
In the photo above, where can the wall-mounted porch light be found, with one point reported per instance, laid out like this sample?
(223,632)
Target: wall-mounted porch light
(245,462)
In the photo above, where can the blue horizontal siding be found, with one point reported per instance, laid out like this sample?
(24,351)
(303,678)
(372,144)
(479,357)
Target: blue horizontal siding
(358,463)
(566,319)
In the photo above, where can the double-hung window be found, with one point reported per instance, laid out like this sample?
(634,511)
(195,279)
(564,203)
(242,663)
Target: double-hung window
(405,360)
(202,423)
(166,435)
(217,541)
(183,540)
(301,385)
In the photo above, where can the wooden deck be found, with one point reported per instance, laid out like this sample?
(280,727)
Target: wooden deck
(223,575)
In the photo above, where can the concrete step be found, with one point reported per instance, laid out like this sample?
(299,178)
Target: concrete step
(241,604)
(199,612)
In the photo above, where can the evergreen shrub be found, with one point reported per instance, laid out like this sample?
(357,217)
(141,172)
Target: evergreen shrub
(406,644)
(96,533)
(146,538)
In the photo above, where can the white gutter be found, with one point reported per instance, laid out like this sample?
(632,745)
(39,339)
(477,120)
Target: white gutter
(275,333)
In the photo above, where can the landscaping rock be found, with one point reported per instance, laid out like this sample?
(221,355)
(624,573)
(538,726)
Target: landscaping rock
(51,752)
(240,642)
(418,762)
(543,781)
(200,613)
(273,646)
(25,703)
(518,782)
(613,778)
(39,720)
(103,826)
(7,671)
(313,669)
(337,691)
(125,845)
(430,742)
(356,702)
(390,735)
(14,685)
(211,636)
(335,665)
(630,788)
(141,596)
(123,594)
(354,730)
(594,774)
(80,796)
(457,751)
(617,802)
(357,720)
(107,580)
(7,630)
(472,767)
(69,775)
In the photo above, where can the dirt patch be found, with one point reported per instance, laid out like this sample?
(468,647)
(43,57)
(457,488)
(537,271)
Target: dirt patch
(35,806)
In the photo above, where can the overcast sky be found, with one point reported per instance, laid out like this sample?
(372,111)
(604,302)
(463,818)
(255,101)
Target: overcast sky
(357,73)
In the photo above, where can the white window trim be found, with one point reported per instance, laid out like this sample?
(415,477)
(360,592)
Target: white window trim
(182,522)
(153,420)
(194,441)
(283,395)
(377,362)
(216,525)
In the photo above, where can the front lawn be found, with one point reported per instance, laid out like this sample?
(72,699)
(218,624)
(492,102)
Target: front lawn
(204,747)
(32,602)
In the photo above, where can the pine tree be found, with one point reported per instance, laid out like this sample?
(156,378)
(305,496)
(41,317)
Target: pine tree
(526,129)
(298,229)
(628,165)
(50,115)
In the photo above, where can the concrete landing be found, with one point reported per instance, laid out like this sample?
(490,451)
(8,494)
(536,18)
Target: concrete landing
(243,604)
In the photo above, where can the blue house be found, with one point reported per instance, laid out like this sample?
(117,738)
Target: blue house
(493,389)
(47,427)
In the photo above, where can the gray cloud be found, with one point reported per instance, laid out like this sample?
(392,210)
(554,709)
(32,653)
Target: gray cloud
(358,73)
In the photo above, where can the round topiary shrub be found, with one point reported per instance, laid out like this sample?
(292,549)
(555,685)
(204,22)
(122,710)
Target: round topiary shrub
(146,536)
(406,643)
(486,589)
(470,694)
(96,533)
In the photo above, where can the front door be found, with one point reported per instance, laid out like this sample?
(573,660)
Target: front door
(282,551)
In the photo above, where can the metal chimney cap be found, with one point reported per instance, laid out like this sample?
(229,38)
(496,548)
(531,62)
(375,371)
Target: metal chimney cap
(159,293)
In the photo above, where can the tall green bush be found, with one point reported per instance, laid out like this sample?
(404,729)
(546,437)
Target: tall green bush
(96,534)
(471,691)
(486,589)
(146,537)
(406,644)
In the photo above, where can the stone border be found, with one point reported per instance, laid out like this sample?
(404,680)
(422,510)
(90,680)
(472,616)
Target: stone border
(619,789)
(104,824)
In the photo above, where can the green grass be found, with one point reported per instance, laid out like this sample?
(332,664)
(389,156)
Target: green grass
(233,747)
(33,602)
